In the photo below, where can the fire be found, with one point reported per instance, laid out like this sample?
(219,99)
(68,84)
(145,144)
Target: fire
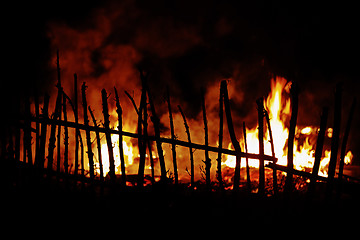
(278,108)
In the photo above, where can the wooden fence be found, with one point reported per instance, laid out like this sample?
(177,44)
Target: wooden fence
(11,145)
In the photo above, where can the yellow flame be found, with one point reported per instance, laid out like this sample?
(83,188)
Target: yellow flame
(279,110)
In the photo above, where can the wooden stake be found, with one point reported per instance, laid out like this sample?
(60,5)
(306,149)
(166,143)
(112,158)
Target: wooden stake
(77,131)
(343,145)
(56,115)
(44,115)
(108,136)
(98,143)
(248,180)
(260,108)
(234,141)
(290,155)
(121,149)
(187,130)
(66,139)
(318,151)
(221,130)
(141,141)
(156,121)
(173,146)
(275,186)
(334,141)
(207,158)
(87,132)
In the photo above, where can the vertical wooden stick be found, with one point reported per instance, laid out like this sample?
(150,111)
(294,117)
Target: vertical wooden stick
(44,115)
(260,108)
(187,130)
(141,140)
(108,135)
(98,143)
(293,120)
(248,180)
(87,132)
(173,145)
(334,141)
(318,151)
(37,125)
(77,131)
(221,130)
(57,112)
(275,186)
(66,139)
(343,145)
(27,132)
(121,149)
(207,158)
(156,121)
(234,141)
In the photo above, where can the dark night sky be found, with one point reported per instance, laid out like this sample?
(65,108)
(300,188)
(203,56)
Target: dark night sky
(314,44)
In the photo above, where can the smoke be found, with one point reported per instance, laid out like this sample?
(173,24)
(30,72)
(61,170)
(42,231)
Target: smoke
(188,45)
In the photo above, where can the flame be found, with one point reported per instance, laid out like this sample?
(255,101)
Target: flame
(278,107)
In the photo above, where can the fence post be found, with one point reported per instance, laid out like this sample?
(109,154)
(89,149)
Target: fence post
(187,130)
(207,158)
(260,108)
(234,141)
(173,145)
(318,151)
(156,121)
(87,132)
(44,115)
(334,141)
(290,155)
(108,135)
(221,130)
(121,149)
